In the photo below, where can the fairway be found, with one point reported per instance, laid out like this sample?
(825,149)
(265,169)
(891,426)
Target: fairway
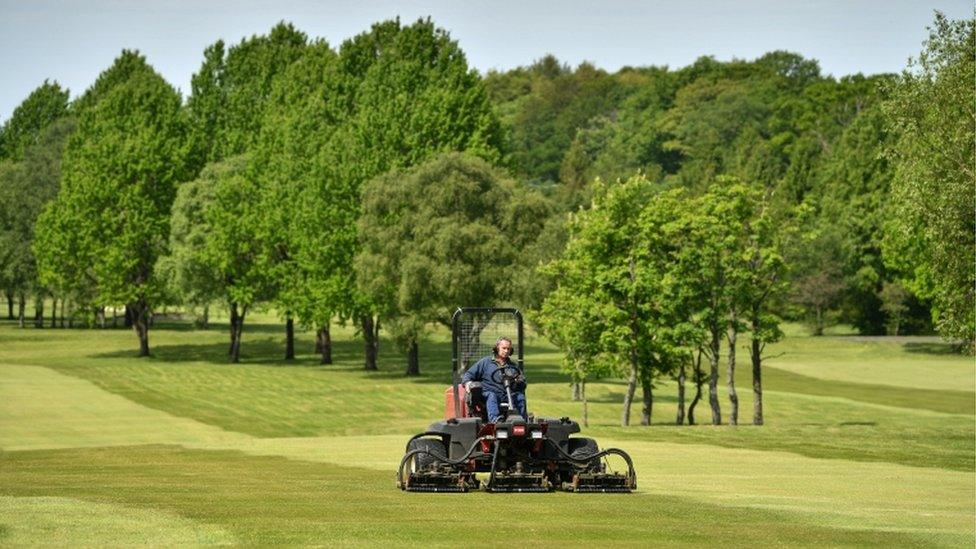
(867,442)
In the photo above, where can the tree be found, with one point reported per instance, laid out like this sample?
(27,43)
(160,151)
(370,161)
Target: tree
(43,106)
(232,93)
(410,96)
(25,188)
(764,284)
(435,236)
(894,299)
(189,278)
(120,169)
(572,322)
(931,234)
(216,250)
(233,248)
(611,269)
(817,271)
(710,269)
(293,163)
(18,195)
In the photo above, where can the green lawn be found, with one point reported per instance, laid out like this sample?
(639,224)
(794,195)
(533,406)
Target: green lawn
(867,442)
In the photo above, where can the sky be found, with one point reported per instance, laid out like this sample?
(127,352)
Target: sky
(72,41)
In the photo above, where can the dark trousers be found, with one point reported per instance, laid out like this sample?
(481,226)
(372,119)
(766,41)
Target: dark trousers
(492,401)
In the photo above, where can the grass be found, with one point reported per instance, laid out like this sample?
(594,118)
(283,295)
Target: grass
(99,447)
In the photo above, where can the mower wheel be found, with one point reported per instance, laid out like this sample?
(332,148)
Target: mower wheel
(582,448)
(424,461)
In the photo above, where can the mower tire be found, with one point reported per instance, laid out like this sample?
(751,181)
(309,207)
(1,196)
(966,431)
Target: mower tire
(423,461)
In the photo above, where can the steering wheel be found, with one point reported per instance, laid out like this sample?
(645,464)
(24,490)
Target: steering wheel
(505,373)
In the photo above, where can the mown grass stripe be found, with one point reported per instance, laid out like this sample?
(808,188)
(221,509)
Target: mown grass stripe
(266,500)
(945,401)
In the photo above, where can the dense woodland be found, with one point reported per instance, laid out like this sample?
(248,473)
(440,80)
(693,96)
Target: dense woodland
(650,218)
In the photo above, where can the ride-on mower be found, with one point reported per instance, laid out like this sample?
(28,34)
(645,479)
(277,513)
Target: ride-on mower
(465,451)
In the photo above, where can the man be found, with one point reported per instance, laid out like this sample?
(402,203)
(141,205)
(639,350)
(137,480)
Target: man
(492,386)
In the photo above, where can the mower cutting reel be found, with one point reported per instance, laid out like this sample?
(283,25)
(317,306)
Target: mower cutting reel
(467,452)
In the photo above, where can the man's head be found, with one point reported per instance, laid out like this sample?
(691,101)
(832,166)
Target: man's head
(502,348)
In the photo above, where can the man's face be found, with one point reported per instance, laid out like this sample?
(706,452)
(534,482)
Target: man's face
(504,349)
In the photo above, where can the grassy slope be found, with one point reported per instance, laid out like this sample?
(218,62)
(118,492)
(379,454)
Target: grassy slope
(82,460)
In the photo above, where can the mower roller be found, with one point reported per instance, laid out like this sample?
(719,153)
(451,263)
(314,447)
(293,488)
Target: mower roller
(467,452)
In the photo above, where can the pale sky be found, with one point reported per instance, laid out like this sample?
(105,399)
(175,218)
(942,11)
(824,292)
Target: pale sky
(72,41)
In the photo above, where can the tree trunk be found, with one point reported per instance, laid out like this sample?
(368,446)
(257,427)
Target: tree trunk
(236,331)
(757,404)
(699,377)
(62,312)
(39,310)
(138,313)
(233,332)
(21,305)
(648,396)
(680,420)
(289,337)
(634,360)
(586,412)
(413,359)
(631,388)
(54,312)
(715,347)
(371,336)
(115,316)
(128,318)
(100,315)
(576,391)
(733,397)
(323,344)
(205,319)
(10,305)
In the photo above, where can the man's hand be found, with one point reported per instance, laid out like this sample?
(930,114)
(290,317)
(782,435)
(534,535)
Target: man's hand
(519,383)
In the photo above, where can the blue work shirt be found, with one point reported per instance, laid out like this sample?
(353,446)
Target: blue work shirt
(482,370)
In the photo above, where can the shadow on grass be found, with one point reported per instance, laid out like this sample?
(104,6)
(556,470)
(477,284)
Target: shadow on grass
(932,348)
(260,349)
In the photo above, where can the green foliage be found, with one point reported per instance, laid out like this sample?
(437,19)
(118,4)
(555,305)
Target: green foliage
(124,68)
(231,91)
(547,114)
(43,106)
(197,253)
(930,232)
(233,248)
(25,188)
(443,233)
(856,184)
(413,95)
(894,299)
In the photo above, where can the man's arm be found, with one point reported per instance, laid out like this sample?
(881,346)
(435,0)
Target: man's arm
(473,373)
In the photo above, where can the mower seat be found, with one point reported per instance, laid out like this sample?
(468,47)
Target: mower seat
(475,402)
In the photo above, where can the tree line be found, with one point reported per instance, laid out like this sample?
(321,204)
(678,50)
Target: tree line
(650,216)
